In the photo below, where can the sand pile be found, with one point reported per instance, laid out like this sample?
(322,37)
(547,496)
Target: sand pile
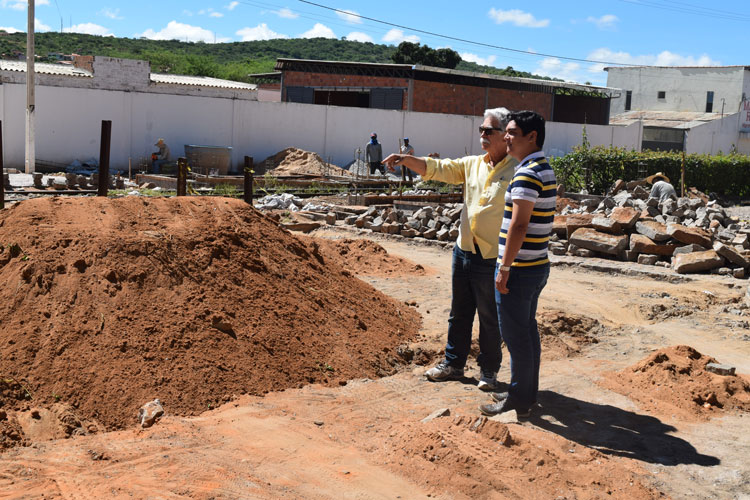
(674,382)
(367,257)
(564,335)
(294,161)
(110,303)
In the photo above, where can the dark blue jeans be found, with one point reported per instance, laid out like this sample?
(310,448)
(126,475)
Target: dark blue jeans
(473,291)
(517,313)
(157,165)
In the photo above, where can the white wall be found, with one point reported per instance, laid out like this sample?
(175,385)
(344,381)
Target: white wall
(69,120)
(717,136)
(685,88)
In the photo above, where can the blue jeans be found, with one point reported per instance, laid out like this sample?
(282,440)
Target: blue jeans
(517,313)
(473,280)
(157,165)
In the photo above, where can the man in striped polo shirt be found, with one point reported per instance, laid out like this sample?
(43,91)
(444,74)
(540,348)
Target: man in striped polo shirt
(522,264)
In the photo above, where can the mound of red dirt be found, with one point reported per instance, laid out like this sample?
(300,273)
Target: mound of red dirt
(674,382)
(367,257)
(563,335)
(295,161)
(110,303)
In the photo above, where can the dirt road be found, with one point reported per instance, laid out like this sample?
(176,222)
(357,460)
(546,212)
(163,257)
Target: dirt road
(367,440)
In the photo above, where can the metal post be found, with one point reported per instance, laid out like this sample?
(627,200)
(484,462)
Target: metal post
(248,188)
(30,105)
(182,176)
(2,181)
(104,157)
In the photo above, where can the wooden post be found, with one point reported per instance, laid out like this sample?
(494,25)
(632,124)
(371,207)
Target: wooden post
(104,148)
(182,176)
(247,195)
(2,181)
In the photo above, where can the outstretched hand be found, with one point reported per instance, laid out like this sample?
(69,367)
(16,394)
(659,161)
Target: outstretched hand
(391,160)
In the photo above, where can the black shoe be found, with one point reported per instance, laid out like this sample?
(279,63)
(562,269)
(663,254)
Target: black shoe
(506,405)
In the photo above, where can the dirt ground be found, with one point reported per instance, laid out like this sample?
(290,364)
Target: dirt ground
(598,432)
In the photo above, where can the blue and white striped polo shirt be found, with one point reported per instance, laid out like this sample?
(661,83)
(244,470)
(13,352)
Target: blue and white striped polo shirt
(534,180)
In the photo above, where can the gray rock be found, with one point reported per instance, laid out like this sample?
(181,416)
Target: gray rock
(443,234)
(741,240)
(453,234)
(652,202)
(640,192)
(649,260)
(430,234)
(697,261)
(623,199)
(653,230)
(149,413)
(408,233)
(689,249)
(597,241)
(739,273)
(731,254)
(726,236)
(720,369)
(331,218)
(695,203)
(607,203)
(442,412)
(351,220)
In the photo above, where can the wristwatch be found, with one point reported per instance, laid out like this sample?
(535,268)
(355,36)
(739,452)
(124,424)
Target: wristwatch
(504,268)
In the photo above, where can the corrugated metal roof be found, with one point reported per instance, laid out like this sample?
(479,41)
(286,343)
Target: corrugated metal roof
(45,68)
(607,68)
(666,119)
(201,81)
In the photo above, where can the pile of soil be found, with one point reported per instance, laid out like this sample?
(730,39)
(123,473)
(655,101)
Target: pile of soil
(294,161)
(110,303)
(674,382)
(367,257)
(474,457)
(563,335)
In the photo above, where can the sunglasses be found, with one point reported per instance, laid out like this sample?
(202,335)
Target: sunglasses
(489,130)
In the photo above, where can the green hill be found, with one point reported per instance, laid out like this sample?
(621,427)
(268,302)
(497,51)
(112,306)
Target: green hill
(231,61)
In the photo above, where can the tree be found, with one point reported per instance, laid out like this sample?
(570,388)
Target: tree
(414,53)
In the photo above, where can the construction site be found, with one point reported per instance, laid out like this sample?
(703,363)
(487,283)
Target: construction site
(196,346)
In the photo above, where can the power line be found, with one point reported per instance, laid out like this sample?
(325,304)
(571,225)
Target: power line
(482,44)
(684,8)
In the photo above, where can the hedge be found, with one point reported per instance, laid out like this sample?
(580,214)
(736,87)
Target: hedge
(597,168)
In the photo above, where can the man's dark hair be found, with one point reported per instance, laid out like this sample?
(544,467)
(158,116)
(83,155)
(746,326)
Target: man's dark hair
(529,121)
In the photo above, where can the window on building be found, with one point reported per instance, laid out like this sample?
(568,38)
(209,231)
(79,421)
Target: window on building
(628,99)
(710,101)
(662,94)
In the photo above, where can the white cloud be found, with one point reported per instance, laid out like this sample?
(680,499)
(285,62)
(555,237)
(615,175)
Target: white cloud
(397,36)
(232,5)
(286,13)
(663,58)
(181,31)
(260,32)
(484,61)
(318,31)
(555,68)
(358,36)
(187,13)
(607,21)
(13,4)
(111,13)
(216,14)
(350,16)
(89,29)
(8,29)
(518,18)
(40,26)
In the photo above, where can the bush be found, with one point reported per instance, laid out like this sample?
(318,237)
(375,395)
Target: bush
(597,168)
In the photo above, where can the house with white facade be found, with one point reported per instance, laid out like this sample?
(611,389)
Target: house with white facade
(669,102)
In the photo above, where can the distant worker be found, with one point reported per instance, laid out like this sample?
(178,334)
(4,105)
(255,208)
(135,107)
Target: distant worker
(161,157)
(485,179)
(408,149)
(374,155)
(661,188)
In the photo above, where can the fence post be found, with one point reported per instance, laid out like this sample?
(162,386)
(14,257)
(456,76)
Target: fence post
(2,182)
(181,176)
(104,158)
(247,195)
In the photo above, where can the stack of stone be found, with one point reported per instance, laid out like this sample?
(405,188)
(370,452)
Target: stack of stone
(438,223)
(688,234)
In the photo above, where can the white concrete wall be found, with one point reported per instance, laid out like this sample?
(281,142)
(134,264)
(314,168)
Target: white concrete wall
(717,136)
(685,88)
(69,127)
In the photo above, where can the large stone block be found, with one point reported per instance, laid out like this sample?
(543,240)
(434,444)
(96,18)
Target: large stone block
(731,254)
(643,244)
(574,222)
(688,249)
(606,225)
(625,216)
(697,262)
(689,235)
(652,230)
(596,241)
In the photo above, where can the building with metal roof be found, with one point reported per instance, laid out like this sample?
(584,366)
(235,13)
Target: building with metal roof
(437,90)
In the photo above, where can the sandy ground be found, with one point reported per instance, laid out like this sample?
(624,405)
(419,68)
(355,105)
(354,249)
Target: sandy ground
(366,440)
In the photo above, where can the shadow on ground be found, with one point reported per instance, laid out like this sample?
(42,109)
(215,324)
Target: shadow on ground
(615,431)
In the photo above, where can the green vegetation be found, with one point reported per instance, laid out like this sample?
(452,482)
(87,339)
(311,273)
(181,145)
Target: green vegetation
(414,53)
(597,168)
(234,60)
(228,190)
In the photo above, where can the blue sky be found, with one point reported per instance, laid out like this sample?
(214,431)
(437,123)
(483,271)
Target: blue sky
(652,32)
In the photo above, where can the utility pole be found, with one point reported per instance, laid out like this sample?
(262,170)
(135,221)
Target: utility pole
(30,146)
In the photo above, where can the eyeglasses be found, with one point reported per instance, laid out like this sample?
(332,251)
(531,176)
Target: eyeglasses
(489,130)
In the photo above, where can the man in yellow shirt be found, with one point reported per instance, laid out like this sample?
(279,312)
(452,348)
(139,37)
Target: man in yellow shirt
(485,179)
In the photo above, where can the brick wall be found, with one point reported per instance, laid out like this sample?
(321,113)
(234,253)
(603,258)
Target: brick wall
(516,100)
(297,78)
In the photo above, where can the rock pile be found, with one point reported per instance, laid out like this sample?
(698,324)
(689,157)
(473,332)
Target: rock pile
(688,234)
(438,223)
